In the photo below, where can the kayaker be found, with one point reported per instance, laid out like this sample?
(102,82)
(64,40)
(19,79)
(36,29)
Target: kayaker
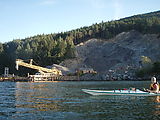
(154,86)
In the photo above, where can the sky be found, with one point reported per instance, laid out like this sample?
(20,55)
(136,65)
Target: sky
(20,19)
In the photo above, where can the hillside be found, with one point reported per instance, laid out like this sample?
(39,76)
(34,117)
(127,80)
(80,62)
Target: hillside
(121,54)
(107,37)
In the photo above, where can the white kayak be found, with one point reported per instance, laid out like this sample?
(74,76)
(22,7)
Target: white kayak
(128,92)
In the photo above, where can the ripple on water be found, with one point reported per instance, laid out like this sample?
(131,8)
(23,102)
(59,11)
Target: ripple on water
(65,101)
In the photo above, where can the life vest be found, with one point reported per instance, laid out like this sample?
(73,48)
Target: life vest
(153,86)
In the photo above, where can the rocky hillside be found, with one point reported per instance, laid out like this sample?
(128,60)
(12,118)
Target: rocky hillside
(113,47)
(120,54)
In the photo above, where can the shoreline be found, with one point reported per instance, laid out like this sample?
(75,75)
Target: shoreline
(26,79)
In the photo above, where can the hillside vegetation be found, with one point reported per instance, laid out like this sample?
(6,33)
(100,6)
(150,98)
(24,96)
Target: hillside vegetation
(56,47)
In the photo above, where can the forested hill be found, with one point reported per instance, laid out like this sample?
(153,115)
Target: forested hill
(54,48)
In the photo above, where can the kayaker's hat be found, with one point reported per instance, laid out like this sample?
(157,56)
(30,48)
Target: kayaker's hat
(154,80)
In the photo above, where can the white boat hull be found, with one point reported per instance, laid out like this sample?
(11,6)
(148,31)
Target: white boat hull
(120,92)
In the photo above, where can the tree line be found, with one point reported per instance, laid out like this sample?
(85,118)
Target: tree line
(47,49)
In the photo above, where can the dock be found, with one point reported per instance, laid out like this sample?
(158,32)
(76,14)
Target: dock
(14,79)
(58,78)
(39,79)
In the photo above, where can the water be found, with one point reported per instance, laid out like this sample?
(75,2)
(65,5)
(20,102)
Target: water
(66,101)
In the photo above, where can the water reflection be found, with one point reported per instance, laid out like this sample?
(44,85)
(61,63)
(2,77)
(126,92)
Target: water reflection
(35,97)
(157,105)
(157,99)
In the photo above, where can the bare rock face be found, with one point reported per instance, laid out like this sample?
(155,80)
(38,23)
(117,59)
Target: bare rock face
(120,53)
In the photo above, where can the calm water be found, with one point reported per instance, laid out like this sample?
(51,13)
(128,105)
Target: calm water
(66,101)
